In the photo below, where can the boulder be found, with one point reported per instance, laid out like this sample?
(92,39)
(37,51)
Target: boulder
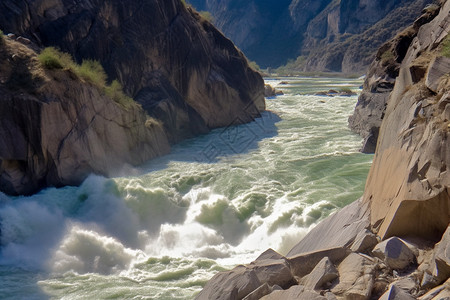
(270,268)
(339,230)
(260,292)
(231,285)
(324,272)
(438,293)
(365,240)
(303,264)
(395,253)
(439,67)
(440,268)
(396,293)
(356,277)
(407,284)
(296,292)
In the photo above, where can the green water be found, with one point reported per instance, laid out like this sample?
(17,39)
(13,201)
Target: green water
(216,201)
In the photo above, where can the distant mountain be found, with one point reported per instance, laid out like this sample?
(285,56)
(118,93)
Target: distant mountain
(329,35)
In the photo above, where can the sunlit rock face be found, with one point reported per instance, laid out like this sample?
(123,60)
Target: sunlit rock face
(408,185)
(184,73)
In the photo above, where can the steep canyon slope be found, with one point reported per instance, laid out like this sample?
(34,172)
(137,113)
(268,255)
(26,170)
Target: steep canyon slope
(329,35)
(182,71)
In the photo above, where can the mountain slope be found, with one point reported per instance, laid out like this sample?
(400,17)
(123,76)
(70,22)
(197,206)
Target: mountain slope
(331,35)
(182,70)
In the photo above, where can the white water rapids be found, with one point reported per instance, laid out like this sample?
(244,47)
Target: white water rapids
(216,201)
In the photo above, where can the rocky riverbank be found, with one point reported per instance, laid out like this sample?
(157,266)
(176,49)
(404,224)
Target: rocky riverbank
(56,129)
(393,243)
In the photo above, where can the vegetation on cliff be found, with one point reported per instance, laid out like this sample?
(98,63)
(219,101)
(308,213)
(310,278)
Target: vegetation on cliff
(90,71)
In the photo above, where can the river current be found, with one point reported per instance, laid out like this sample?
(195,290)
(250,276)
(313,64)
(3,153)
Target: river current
(215,201)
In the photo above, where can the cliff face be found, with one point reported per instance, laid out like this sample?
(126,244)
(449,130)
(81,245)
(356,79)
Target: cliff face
(408,186)
(380,80)
(340,36)
(55,129)
(182,70)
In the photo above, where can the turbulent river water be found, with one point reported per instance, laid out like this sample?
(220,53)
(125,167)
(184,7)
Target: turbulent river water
(216,201)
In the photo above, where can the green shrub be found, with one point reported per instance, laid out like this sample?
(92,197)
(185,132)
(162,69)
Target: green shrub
(2,36)
(52,58)
(93,72)
(206,15)
(90,71)
(115,92)
(445,46)
(387,56)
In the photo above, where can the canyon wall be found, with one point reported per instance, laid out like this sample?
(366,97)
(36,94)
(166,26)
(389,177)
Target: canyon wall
(182,71)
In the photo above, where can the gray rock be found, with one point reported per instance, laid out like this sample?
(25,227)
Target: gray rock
(356,277)
(303,264)
(296,292)
(396,293)
(438,293)
(395,253)
(365,240)
(440,268)
(323,273)
(407,284)
(438,68)
(270,268)
(232,285)
(260,292)
(338,230)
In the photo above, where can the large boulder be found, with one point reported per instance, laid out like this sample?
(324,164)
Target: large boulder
(356,277)
(337,231)
(440,267)
(269,268)
(324,272)
(395,253)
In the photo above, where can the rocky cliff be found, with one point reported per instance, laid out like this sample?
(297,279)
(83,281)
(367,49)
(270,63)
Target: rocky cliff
(330,35)
(394,242)
(184,73)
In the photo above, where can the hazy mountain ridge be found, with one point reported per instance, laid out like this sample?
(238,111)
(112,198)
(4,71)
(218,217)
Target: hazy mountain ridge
(320,31)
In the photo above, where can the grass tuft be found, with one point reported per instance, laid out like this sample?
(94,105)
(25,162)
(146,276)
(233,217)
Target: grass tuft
(52,59)
(445,46)
(90,71)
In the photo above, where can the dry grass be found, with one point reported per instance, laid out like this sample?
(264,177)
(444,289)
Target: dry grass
(90,71)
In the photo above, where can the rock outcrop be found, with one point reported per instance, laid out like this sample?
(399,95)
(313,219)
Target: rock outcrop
(339,36)
(183,71)
(380,80)
(406,202)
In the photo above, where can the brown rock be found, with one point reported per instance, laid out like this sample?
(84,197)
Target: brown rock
(395,253)
(438,68)
(440,268)
(365,240)
(294,293)
(338,230)
(303,264)
(441,292)
(356,277)
(270,268)
(322,273)
(396,293)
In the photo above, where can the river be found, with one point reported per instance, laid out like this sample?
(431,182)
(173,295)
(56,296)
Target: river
(215,201)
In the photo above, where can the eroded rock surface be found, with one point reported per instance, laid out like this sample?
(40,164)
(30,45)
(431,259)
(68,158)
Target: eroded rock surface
(182,70)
